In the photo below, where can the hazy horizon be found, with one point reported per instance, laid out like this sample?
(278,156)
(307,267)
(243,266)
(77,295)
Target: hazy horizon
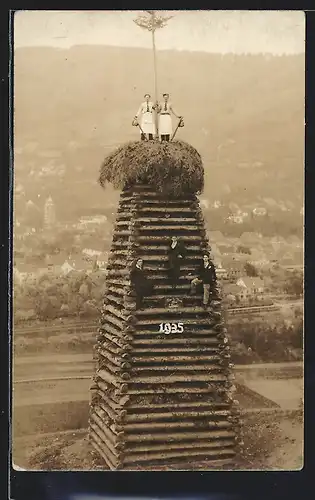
(223,32)
(104,46)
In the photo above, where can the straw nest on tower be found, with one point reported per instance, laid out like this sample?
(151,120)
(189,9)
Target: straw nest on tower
(172,168)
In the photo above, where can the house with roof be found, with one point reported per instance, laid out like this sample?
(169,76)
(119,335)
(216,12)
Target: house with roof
(235,219)
(91,252)
(216,204)
(262,263)
(66,268)
(54,264)
(240,257)
(234,268)
(249,237)
(102,260)
(259,211)
(252,287)
(26,273)
(215,236)
(226,248)
(92,221)
(277,242)
(221,273)
(295,241)
(215,255)
(215,250)
(17,276)
(270,254)
(204,203)
(256,253)
(232,291)
(294,259)
(298,257)
(79,264)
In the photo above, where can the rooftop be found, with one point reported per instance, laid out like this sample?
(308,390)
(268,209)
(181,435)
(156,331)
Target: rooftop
(250,282)
(232,289)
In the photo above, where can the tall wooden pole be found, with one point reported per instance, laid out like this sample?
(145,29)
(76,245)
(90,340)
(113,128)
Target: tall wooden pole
(155,71)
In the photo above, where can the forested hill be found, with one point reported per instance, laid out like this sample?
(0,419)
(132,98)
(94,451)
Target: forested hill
(89,94)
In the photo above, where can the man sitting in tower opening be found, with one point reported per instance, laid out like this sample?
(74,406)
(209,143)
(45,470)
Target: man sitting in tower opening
(176,255)
(140,282)
(146,125)
(206,278)
(165,121)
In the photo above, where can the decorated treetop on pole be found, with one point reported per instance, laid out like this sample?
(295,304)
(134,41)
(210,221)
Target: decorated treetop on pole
(153,22)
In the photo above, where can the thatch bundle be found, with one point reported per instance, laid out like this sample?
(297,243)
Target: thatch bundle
(173,168)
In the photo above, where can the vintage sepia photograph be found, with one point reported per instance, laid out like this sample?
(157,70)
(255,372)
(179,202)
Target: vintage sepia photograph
(158,240)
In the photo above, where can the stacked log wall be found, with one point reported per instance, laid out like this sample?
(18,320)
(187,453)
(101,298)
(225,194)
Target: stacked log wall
(161,399)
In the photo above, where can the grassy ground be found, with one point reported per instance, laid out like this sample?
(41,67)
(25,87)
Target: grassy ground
(269,443)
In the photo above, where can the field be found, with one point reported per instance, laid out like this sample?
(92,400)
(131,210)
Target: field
(51,407)
(52,373)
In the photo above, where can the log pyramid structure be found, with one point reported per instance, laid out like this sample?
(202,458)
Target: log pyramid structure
(161,400)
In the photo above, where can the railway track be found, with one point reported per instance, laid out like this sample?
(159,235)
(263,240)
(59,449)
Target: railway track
(88,327)
(56,329)
(252,310)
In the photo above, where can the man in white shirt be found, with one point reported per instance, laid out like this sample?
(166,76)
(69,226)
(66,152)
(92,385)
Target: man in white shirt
(147,122)
(165,110)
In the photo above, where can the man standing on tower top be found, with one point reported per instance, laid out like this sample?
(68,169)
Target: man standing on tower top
(165,122)
(147,125)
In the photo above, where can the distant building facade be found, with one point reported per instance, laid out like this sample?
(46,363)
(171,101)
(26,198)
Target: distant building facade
(49,213)
(251,287)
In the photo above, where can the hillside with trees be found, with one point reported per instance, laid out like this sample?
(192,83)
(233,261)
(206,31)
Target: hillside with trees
(238,109)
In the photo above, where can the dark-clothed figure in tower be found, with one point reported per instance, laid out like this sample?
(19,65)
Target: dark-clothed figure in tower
(140,282)
(206,278)
(176,255)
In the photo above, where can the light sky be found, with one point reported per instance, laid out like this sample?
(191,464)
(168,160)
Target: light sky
(276,32)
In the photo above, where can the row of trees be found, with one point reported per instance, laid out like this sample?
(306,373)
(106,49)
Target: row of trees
(76,294)
(38,246)
(262,341)
(282,280)
(279,279)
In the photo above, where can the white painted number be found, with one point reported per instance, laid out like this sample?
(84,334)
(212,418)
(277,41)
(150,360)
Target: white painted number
(168,328)
(180,327)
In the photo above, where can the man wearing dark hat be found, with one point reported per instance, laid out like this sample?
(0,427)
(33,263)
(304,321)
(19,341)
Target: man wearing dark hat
(146,113)
(165,121)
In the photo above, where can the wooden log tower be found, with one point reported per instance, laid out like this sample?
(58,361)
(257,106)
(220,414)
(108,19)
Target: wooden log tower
(161,399)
